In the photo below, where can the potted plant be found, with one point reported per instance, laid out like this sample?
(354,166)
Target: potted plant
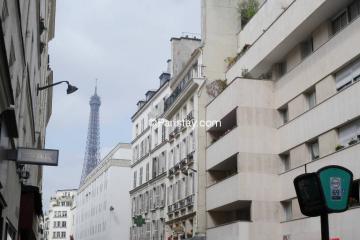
(339,147)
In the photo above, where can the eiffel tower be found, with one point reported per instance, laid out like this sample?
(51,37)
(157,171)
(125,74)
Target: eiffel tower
(92,152)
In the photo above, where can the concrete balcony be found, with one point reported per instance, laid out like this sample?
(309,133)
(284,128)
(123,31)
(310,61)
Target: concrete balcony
(330,114)
(248,186)
(297,21)
(347,157)
(232,231)
(342,225)
(222,149)
(239,93)
(264,17)
(332,55)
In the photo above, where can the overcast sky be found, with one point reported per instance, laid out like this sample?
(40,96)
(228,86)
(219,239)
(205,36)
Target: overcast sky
(125,44)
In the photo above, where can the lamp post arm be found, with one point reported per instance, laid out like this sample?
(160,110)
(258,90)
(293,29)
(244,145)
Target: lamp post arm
(51,85)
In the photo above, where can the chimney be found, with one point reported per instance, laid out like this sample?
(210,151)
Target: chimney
(168,70)
(181,50)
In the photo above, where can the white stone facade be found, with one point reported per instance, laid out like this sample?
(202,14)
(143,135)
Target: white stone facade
(102,211)
(148,169)
(58,220)
(290,107)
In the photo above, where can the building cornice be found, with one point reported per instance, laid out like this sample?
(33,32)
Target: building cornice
(101,168)
(144,185)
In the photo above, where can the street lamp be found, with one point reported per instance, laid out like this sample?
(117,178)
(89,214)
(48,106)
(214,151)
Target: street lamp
(70,89)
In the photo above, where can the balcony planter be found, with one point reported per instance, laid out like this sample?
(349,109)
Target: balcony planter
(216,87)
(339,147)
(353,141)
(247,9)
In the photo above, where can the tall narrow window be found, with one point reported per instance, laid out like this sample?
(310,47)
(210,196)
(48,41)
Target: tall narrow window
(306,47)
(314,150)
(285,158)
(147,172)
(141,176)
(4,14)
(284,113)
(134,183)
(311,98)
(339,22)
(163,133)
(354,10)
(287,207)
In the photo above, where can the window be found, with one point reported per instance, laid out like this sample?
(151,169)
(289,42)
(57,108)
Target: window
(311,98)
(281,68)
(314,150)
(4,14)
(339,22)
(147,172)
(306,48)
(348,75)
(156,133)
(149,143)
(354,194)
(141,176)
(354,10)
(287,207)
(350,133)
(285,159)
(134,185)
(284,113)
(142,125)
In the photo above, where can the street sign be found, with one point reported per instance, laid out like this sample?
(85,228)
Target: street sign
(139,220)
(326,191)
(308,190)
(336,183)
(36,156)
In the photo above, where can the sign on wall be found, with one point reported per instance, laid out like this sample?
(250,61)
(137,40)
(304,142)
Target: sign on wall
(34,156)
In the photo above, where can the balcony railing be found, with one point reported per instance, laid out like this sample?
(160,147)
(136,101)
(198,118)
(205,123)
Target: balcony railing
(178,90)
(190,157)
(190,116)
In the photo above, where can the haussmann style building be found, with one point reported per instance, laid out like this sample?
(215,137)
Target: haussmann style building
(26,29)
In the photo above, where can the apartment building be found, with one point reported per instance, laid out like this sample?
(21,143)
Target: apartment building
(289,108)
(191,90)
(148,169)
(58,220)
(101,209)
(26,29)
(182,109)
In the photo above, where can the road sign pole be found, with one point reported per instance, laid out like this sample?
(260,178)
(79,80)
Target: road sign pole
(324,218)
